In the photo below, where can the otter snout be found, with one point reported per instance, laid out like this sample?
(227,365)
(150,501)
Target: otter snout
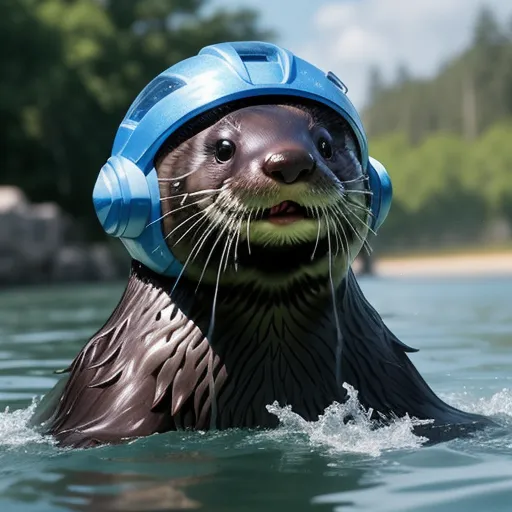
(289,165)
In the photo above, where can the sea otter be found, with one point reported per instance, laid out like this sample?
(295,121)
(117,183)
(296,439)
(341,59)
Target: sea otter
(264,202)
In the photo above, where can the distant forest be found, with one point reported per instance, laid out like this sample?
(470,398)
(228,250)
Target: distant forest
(72,67)
(446,142)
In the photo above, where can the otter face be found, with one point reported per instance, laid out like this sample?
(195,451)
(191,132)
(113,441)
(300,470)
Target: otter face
(268,193)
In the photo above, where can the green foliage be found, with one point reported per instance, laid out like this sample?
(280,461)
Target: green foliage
(468,95)
(446,144)
(446,189)
(71,71)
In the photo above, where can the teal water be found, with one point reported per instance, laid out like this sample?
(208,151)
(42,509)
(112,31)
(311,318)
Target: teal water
(464,331)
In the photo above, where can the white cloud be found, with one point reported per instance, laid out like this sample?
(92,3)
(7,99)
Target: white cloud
(349,36)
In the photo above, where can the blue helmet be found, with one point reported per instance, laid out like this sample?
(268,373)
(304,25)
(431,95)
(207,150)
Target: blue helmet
(126,195)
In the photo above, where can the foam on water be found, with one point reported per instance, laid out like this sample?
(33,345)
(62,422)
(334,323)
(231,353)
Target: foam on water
(361,435)
(343,428)
(15,429)
(347,428)
(499,404)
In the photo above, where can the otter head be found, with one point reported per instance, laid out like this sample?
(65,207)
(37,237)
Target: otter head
(266,194)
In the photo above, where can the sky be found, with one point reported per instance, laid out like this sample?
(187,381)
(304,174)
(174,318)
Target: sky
(349,36)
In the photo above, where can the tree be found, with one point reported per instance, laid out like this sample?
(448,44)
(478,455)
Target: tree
(403,75)
(470,92)
(72,70)
(375,84)
(487,31)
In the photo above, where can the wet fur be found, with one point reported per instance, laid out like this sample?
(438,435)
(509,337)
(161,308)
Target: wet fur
(158,365)
(146,370)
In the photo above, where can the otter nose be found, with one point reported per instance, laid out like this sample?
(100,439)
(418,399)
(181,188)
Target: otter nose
(289,166)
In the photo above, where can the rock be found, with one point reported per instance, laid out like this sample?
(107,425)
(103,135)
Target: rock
(104,263)
(40,243)
(70,264)
(12,199)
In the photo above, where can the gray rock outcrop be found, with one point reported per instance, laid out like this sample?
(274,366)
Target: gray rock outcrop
(39,243)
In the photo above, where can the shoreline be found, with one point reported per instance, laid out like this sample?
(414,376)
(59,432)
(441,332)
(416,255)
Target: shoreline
(456,265)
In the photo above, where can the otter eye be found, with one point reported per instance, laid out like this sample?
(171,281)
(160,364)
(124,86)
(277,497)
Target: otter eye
(325,148)
(224,150)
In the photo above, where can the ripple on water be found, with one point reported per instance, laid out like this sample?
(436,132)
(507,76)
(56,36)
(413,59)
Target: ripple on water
(331,431)
(443,489)
(49,336)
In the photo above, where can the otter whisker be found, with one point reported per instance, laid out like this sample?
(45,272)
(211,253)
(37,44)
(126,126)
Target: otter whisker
(203,219)
(248,233)
(231,238)
(179,226)
(191,194)
(362,192)
(343,235)
(196,249)
(187,219)
(228,203)
(239,230)
(317,233)
(366,245)
(330,212)
(326,216)
(211,327)
(219,237)
(176,210)
(359,179)
(368,248)
(364,209)
(352,227)
(179,178)
(339,336)
(203,238)
(364,223)
(193,253)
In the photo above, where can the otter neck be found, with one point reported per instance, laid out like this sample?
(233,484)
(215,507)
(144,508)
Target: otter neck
(280,345)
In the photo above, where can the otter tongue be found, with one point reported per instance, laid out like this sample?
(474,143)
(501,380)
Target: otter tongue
(284,207)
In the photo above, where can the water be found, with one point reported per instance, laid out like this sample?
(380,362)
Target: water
(464,331)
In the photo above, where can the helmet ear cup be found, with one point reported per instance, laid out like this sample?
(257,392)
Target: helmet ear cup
(382,192)
(122,198)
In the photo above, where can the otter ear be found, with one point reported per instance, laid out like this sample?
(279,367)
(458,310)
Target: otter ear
(382,192)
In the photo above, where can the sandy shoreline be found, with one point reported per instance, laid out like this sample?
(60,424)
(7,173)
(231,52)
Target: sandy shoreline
(492,264)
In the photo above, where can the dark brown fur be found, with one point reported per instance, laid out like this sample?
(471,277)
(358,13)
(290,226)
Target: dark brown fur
(175,356)
(146,370)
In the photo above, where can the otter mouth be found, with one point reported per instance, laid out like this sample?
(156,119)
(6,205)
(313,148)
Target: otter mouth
(282,259)
(286,212)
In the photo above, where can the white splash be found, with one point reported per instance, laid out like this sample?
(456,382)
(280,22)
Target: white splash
(347,428)
(499,404)
(15,429)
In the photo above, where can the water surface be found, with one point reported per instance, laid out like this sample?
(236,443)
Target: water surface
(463,328)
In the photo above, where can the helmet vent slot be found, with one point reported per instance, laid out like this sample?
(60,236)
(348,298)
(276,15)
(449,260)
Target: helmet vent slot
(337,82)
(255,58)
